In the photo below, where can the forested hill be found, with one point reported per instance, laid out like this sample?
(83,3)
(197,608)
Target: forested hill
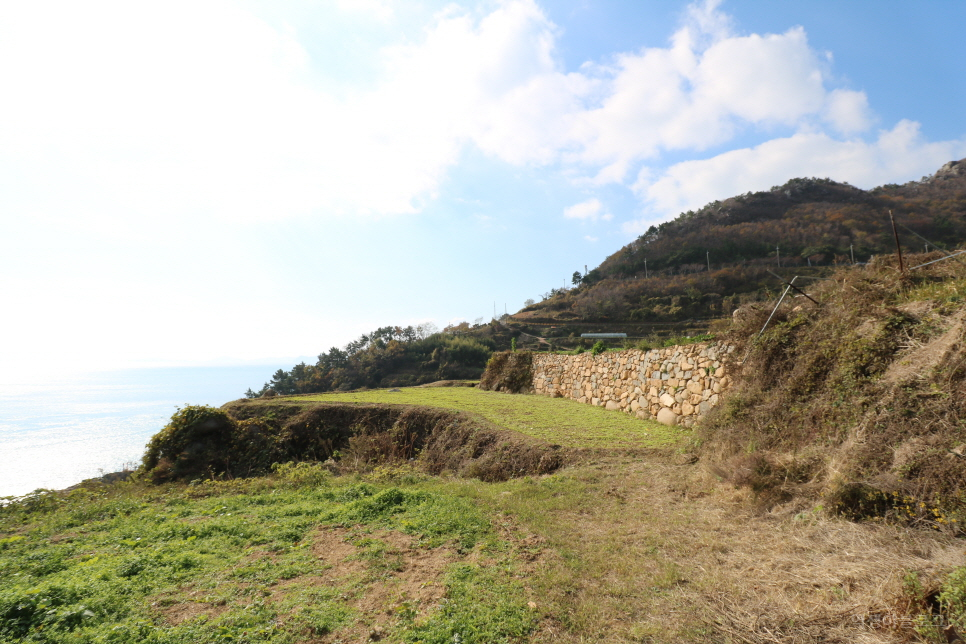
(703,264)
(817,218)
(394,356)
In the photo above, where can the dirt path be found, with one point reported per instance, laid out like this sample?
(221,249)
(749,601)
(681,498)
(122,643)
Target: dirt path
(640,550)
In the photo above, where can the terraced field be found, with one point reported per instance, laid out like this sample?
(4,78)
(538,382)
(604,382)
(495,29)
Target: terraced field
(555,420)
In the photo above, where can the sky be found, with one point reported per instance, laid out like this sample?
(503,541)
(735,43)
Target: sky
(235,181)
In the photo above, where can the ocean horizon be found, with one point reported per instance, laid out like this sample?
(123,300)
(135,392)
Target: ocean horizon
(56,434)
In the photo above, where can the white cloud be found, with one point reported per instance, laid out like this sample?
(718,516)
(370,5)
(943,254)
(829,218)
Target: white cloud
(760,78)
(138,112)
(899,152)
(848,111)
(705,21)
(590,210)
(702,90)
(379,9)
(686,97)
(591,239)
(183,108)
(583,210)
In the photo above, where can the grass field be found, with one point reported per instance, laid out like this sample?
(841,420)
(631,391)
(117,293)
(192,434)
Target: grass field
(555,420)
(291,558)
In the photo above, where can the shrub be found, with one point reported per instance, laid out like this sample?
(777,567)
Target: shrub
(196,443)
(857,501)
(598,348)
(508,371)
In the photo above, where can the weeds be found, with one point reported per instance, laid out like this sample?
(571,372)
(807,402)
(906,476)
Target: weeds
(237,564)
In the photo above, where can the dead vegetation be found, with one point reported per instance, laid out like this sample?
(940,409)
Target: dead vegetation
(860,399)
(641,550)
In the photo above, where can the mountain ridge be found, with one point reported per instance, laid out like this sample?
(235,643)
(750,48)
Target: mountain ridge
(703,263)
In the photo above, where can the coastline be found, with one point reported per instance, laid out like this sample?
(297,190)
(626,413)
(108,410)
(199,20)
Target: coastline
(54,435)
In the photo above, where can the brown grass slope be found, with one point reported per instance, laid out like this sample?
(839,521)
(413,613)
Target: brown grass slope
(860,399)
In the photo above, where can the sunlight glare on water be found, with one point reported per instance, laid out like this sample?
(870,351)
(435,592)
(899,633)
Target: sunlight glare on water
(55,435)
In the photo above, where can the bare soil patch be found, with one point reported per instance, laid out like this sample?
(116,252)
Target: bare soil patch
(919,359)
(404,578)
(185,611)
(331,545)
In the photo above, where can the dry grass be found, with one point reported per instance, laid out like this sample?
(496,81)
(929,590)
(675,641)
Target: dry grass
(868,388)
(648,551)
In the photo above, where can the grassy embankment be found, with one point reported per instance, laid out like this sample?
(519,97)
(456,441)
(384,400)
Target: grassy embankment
(554,420)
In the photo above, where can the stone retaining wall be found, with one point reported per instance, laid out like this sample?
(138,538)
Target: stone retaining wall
(676,385)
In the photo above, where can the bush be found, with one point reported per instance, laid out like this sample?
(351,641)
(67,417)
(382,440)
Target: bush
(856,501)
(598,348)
(196,443)
(508,371)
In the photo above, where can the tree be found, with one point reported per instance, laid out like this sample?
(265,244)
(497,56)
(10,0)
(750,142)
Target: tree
(577,278)
(427,329)
(528,302)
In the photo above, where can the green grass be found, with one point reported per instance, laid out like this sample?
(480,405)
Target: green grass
(556,420)
(236,561)
(945,291)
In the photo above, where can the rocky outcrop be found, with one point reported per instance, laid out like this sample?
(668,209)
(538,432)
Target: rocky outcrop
(675,385)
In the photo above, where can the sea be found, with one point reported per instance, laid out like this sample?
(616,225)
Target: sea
(56,434)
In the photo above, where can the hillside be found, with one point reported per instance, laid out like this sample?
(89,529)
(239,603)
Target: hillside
(393,356)
(701,266)
(858,398)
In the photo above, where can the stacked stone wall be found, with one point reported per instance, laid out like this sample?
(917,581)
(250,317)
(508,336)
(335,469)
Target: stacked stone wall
(675,385)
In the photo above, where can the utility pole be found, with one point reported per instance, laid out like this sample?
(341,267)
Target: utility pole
(645,268)
(902,267)
(852,253)
(707,254)
(778,257)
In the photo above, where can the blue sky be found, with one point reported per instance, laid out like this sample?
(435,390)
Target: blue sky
(213,182)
